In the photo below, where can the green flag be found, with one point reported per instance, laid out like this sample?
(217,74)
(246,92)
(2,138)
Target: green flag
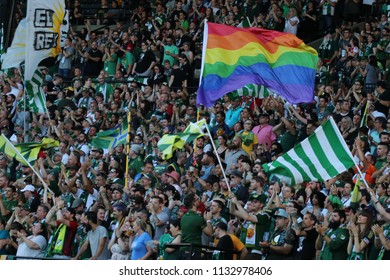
(36,98)
(1,42)
(321,156)
(113,137)
(28,151)
(245,23)
(168,144)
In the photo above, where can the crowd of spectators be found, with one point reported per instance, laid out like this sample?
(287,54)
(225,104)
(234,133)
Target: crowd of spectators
(148,65)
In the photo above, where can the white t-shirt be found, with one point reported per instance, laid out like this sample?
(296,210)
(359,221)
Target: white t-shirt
(25,251)
(289,28)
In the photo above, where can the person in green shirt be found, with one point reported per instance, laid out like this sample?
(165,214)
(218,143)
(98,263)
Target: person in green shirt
(125,63)
(172,237)
(7,203)
(104,88)
(110,59)
(193,225)
(361,237)
(255,226)
(333,239)
(136,163)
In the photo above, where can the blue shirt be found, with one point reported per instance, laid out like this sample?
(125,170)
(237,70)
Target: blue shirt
(233,116)
(138,246)
(3,235)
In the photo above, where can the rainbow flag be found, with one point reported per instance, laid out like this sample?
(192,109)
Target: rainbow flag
(234,57)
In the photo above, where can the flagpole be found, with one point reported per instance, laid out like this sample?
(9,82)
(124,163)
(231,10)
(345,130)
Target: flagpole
(219,159)
(26,161)
(24,101)
(128,143)
(349,152)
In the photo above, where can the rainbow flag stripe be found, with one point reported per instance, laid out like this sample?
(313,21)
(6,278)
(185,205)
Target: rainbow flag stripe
(234,57)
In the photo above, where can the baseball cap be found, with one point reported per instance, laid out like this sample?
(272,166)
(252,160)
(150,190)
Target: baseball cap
(281,213)
(30,188)
(77,203)
(259,197)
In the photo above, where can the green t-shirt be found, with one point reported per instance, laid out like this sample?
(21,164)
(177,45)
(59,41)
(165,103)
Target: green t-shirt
(192,225)
(136,164)
(369,240)
(110,66)
(165,239)
(127,60)
(252,234)
(10,206)
(337,248)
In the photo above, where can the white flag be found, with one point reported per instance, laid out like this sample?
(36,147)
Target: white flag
(44,20)
(17,51)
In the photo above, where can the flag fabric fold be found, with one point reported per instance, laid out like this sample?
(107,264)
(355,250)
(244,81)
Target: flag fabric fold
(17,51)
(234,57)
(321,156)
(168,144)
(37,36)
(36,98)
(113,137)
(43,32)
(29,151)
(171,142)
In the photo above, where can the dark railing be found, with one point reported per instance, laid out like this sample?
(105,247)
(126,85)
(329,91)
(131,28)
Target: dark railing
(206,251)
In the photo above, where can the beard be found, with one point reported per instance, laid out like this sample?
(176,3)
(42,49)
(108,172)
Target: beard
(334,225)
(87,227)
(232,146)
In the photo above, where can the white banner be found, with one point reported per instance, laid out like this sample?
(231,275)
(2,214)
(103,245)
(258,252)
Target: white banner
(44,20)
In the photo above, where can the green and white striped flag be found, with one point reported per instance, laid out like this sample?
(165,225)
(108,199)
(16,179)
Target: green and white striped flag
(141,81)
(252,90)
(321,156)
(1,42)
(245,23)
(35,96)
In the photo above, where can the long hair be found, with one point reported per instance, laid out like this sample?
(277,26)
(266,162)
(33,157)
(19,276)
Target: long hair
(370,218)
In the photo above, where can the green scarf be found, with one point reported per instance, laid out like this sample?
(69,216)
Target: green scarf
(247,140)
(57,242)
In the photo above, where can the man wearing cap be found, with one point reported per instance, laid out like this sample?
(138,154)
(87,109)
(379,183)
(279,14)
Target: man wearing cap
(263,131)
(255,225)
(78,205)
(281,243)
(241,191)
(62,241)
(115,176)
(208,166)
(333,240)
(31,200)
(136,163)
